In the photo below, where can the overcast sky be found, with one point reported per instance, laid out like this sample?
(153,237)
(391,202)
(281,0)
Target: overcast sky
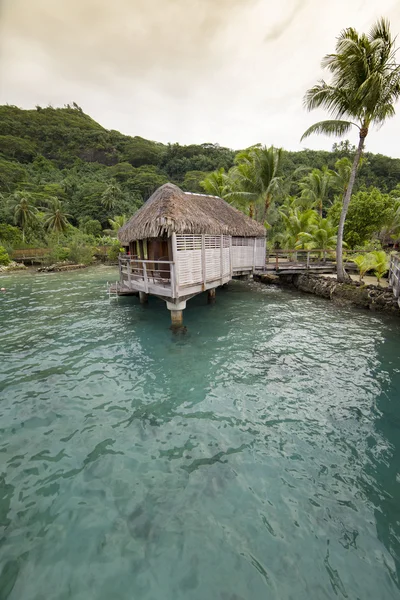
(232,72)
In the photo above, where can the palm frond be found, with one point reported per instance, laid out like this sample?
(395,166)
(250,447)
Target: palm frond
(330,127)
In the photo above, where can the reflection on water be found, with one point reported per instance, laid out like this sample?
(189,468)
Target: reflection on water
(255,457)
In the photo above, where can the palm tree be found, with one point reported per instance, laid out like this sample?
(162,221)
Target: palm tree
(380,264)
(296,224)
(111,195)
(342,174)
(217,183)
(364,262)
(25,213)
(322,235)
(256,178)
(364,88)
(116,225)
(56,218)
(315,187)
(391,228)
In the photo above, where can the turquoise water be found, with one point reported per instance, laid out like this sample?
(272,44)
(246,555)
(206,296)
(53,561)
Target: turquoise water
(256,457)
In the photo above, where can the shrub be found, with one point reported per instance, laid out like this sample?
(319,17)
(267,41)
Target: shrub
(9,235)
(58,254)
(92,227)
(4,258)
(80,253)
(114,251)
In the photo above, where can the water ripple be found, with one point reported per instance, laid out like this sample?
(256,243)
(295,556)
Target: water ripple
(256,456)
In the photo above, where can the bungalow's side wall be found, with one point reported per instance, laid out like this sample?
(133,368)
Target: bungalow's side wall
(260,253)
(248,253)
(202,259)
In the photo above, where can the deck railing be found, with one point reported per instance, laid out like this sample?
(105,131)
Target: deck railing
(149,276)
(394,274)
(29,254)
(285,257)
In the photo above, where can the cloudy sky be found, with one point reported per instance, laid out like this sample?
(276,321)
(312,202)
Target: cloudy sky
(232,72)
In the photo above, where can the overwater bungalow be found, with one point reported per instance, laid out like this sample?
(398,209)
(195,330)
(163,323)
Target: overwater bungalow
(180,244)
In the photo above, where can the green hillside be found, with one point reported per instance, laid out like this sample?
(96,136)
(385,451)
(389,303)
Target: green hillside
(62,153)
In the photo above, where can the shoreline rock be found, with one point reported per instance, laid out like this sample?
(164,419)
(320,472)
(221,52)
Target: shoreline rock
(12,266)
(370,297)
(61,267)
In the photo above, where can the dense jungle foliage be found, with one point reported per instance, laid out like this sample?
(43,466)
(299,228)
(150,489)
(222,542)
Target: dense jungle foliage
(66,180)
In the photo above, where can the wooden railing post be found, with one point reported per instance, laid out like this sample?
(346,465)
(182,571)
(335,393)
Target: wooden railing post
(128,268)
(308,259)
(146,282)
(173,285)
(277,260)
(222,256)
(203,259)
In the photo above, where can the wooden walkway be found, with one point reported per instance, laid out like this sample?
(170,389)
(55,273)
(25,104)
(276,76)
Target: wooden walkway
(286,262)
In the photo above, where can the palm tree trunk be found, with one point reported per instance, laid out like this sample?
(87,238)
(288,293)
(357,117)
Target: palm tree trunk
(341,274)
(267,204)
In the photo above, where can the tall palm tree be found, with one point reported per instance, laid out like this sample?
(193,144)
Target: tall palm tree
(257,178)
(56,218)
(25,213)
(315,187)
(364,89)
(111,195)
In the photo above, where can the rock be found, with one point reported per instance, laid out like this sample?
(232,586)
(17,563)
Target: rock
(12,266)
(269,278)
(351,293)
(60,267)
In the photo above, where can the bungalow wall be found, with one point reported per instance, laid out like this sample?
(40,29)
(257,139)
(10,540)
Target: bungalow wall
(185,265)
(202,259)
(248,253)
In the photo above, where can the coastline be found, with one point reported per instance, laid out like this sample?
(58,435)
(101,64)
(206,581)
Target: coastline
(368,296)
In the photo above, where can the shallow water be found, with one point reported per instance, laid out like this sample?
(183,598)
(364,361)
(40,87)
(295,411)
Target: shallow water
(255,457)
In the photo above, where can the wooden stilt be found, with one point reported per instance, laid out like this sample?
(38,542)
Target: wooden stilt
(211,295)
(143,298)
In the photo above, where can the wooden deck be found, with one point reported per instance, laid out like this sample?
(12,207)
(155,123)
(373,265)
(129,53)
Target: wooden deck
(162,278)
(286,262)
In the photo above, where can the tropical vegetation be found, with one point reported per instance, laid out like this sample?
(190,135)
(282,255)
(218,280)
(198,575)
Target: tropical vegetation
(364,87)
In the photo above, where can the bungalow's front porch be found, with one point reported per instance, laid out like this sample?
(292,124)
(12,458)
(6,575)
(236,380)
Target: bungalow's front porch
(147,276)
(162,278)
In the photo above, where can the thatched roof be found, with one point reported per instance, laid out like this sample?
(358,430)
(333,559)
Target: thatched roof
(171,210)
